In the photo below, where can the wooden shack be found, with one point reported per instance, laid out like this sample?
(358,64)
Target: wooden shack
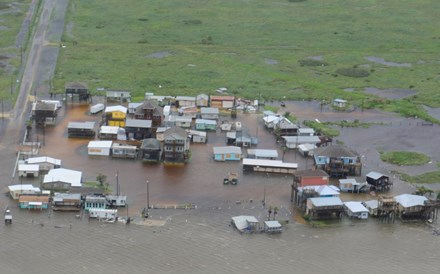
(378,181)
(324,208)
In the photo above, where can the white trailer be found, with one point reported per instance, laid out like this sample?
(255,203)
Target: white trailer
(97,108)
(107,215)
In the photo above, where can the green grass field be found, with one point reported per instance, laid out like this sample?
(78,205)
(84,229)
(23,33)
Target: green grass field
(255,47)
(12,13)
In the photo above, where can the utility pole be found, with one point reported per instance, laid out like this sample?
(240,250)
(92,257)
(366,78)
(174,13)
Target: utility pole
(264,197)
(117,182)
(147,213)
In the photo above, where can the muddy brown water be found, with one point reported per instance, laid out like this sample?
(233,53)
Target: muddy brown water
(201,240)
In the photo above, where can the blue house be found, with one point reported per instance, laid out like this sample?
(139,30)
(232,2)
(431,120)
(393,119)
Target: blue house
(338,161)
(204,124)
(227,153)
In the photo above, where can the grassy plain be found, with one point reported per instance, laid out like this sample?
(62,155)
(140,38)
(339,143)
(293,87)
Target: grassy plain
(404,158)
(12,14)
(256,46)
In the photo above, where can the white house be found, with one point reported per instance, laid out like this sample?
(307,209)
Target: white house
(62,179)
(99,148)
(17,190)
(356,210)
(28,170)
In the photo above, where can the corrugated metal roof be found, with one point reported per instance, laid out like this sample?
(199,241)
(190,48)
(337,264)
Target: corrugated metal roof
(109,130)
(326,201)
(302,139)
(242,222)
(373,204)
(209,111)
(138,123)
(81,125)
(410,200)
(64,175)
(206,121)
(269,153)
(356,207)
(336,151)
(375,175)
(26,187)
(268,163)
(227,149)
(272,224)
(116,108)
(100,144)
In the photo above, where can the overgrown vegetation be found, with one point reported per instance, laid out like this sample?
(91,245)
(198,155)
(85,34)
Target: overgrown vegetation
(425,178)
(322,128)
(234,52)
(404,158)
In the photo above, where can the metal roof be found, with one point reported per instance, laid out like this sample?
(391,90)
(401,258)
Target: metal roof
(81,125)
(355,207)
(375,175)
(116,108)
(206,121)
(226,149)
(242,222)
(410,200)
(109,129)
(23,187)
(138,123)
(323,190)
(272,224)
(302,139)
(268,163)
(326,201)
(272,153)
(209,111)
(100,144)
(373,204)
(185,98)
(72,177)
(335,151)
(348,181)
(28,167)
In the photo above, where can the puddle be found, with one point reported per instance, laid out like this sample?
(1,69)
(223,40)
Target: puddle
(391,93)
(386,63)
(159,54)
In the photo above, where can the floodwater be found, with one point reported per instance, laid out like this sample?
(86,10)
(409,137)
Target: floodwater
(201,240)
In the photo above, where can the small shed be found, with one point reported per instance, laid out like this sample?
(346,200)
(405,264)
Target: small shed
(340,103)
(209,113)
(16,190)
(197,136)
(203,124)
(306,149)
(272,226)
(99,148)
(227,153)
(356,210)
(28,170)
(243,139)
(245,223)
(81,130)
(186,101)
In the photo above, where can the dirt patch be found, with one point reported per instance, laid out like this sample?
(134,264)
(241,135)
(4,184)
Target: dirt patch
(386,63)
(160,54)
(391,93)
(271,61)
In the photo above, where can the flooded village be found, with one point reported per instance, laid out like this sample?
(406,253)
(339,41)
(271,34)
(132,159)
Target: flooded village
(177,176)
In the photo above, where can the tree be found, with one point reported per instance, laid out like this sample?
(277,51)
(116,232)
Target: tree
(101,178)
(270,212)
(275,212)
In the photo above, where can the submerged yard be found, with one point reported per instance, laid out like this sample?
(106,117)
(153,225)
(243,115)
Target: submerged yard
(256,47)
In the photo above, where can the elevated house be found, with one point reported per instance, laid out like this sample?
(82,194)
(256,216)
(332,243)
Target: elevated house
(227,153)
(302,194)
(271,120)
(115,116)
(66,202)
(310,177)
(77,90)
(378,181)
(338,161)
(81,130)
(324,208)
(209,113)
(44,112)
(95,202)
(221,102)
(197,136)
(356,210)
(151,150)
(16,190)
(150,111)
(121,96)
(202,100)
(185,101)
(138,129)
(124,151)
(33,201)
(62,179)
(176,145)
(411,207)
(284,127)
